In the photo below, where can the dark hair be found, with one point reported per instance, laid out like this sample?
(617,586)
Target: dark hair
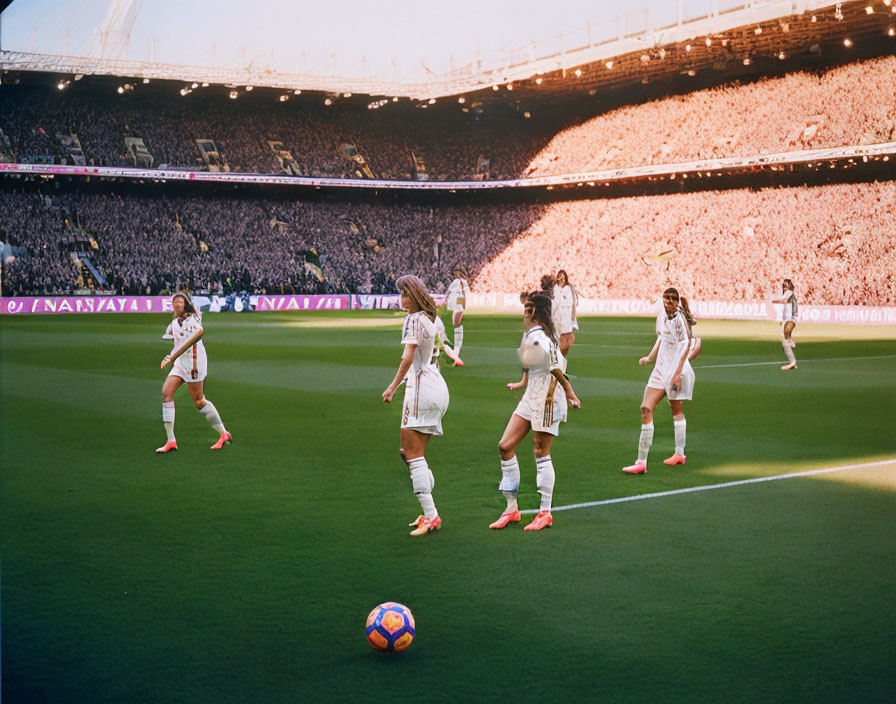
(542,312)
(682,304)
(565,276)
(462,272)
(547,284)
(787,284)
(189,308)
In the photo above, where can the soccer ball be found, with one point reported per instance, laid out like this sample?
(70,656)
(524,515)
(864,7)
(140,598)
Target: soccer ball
(390,627)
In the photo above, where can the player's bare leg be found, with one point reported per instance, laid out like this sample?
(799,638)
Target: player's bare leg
(517,429)
(209,412)
(680,426)
(645,440)
(171,384)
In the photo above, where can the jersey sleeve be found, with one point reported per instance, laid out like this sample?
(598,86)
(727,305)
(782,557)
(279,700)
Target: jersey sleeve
(411,332)
(169,332)
(788,294)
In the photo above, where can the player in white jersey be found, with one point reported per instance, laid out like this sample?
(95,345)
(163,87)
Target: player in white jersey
(188,364)
(543,406)
(788,321)
(458,293)
(672,376)
(443,344)
(425,394)
(563,312)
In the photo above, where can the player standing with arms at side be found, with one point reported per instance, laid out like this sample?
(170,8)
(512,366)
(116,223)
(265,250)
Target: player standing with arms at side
(189,364)
(788,298)
(540,410)
(563,311)
(458,292)
(672,376)
(425,395)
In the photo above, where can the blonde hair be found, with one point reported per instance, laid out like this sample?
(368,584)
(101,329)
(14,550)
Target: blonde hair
(415,289)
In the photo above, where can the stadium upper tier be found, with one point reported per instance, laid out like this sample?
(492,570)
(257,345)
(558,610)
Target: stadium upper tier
(852,104)
(836,241)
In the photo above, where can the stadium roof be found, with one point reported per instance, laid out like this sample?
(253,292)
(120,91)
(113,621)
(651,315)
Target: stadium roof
(729,39)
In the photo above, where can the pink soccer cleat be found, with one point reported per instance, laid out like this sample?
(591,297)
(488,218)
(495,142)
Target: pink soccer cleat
(544,519)
(169,446)
(458,362)
(638,467)
(225,438)
(426,525)
(506,518)
(788,366)
(675,459)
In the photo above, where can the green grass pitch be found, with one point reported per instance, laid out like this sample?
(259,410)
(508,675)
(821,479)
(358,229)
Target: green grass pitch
(246,575)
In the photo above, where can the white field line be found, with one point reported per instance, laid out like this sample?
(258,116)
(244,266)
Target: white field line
(799,361)
(690,490)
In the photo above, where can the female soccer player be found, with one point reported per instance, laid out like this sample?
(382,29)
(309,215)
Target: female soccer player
(188,364)
(789,319)
(458,291)
(541,409)
(563,311)
(672,376)
(425,395)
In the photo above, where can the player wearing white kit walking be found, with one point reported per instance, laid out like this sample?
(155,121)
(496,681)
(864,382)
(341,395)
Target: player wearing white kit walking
(425,395)
(563,312)
(188,364)
(457,295)
(543,406)
(789,319)
(672,376)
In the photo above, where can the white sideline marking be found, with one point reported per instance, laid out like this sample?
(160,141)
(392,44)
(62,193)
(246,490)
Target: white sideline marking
(689,490)
(799,361)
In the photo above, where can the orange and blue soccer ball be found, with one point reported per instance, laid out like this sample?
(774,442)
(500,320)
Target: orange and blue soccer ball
(390,627)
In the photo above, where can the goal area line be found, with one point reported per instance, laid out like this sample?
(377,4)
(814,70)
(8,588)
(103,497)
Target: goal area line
(725,485)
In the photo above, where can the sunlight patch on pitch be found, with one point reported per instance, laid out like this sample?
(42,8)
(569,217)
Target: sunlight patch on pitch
(864,472)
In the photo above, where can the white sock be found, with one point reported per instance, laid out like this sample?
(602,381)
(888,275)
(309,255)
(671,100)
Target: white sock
(510,482)
(788,351)
(458,338)
(544,480)
(423,483)
(168,418)
(210,413)
(681,428)
(645,441)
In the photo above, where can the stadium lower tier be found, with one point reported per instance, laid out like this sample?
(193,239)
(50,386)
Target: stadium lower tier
(835,241)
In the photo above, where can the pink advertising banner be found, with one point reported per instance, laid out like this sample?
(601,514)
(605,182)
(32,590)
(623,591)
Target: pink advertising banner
(162,304)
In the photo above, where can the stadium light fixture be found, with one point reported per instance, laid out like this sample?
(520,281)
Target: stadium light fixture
(847,42)
(887,2)
(538,81)
(609,64)
(121,90)
(494,87)
(578,73)
(249,88)
(297,91)
(346,95)
(395,99)
(145,80)
(527,114)
(432,101)
(814,18)
(708,41)
(461,100)
(891,31)
(869,10)
(692,72)
(687,47)
(195,85)
(645,58)
(662,53)
(284,98)
(758,30)
(510,86)
(62,85)
(782,55)
(746,62)
(328,101)
(205,84)
(234,95)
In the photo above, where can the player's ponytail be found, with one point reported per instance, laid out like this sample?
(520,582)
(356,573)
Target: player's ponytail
(686,310)
(542,313)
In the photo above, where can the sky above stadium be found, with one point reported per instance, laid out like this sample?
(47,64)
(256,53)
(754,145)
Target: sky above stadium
(275,33)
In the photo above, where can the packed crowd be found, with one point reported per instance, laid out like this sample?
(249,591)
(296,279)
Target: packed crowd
(837,240)
(844,105)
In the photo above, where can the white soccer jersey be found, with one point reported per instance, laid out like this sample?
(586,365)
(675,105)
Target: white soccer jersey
(192,364)
(544,402)
(790,307)
(561,309)
(674,342)
(458,291)
(425,393)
